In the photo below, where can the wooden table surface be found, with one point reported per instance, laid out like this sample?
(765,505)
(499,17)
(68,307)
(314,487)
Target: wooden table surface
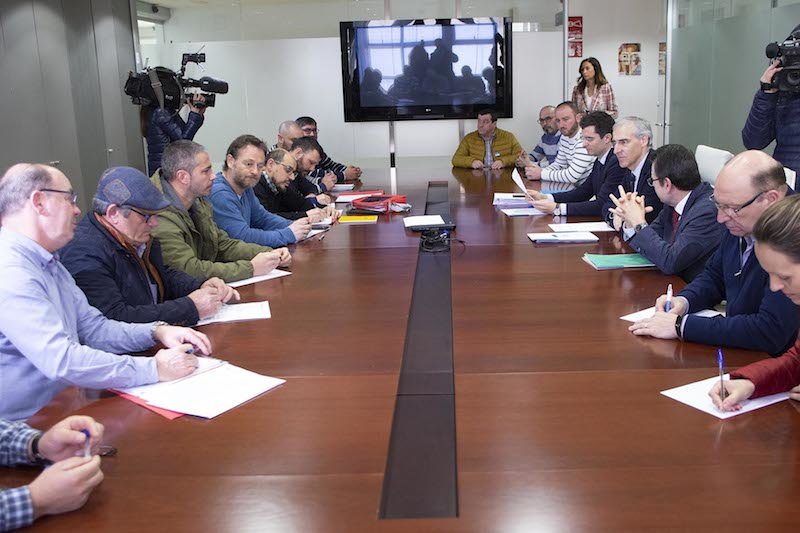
(560,424)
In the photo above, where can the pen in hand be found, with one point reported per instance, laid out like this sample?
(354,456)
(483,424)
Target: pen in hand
(668,303)
(721,364)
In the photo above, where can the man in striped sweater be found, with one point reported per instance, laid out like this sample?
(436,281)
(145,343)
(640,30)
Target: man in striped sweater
(573,163)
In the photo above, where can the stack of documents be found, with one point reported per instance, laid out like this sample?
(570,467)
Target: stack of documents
(510,200)
(276,273)
(215,387)
(570,236)
(522,212)
(611,261)
(236,312)
(341,187)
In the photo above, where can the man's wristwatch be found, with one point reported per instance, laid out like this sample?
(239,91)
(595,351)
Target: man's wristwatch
(678,324)
(35,453)
(638,227)
(156,325)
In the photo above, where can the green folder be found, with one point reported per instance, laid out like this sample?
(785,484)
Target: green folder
(606,262)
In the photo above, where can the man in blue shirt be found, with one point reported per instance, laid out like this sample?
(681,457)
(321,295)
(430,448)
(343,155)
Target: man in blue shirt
(236,208)
(71,476)
(757,318)
(50,337)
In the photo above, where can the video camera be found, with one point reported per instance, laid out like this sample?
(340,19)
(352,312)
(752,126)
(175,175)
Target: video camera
(166,88)
(788,79)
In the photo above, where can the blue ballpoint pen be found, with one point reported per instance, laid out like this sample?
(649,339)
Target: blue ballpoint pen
(668,303)
(87,449)
(721,364)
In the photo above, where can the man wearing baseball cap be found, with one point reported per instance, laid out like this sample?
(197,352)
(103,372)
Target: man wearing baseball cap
(118,265)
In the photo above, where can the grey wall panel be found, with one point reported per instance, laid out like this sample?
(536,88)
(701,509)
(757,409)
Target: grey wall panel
(24,136)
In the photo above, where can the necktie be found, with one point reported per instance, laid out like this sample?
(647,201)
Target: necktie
(676,220)
(487,157)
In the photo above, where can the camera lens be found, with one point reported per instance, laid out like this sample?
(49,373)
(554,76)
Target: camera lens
(793,78)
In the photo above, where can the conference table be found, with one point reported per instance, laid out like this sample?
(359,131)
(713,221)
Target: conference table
(559,422)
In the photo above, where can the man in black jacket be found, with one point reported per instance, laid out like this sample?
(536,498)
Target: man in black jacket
(118,265)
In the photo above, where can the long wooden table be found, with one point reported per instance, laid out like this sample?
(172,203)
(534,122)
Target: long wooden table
(560,424)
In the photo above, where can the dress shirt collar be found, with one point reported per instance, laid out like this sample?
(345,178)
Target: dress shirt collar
(680,206)
(638,170)
(29,247)
(602,159)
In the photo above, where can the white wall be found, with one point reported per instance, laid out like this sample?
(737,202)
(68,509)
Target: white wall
(275,80)
(610,23)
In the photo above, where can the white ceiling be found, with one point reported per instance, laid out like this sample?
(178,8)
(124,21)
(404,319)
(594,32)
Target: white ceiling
(234,3)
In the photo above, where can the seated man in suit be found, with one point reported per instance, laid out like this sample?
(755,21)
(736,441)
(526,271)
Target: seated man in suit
(632,140)
(488,146)
(190,239)
(587,199)
(685,234)
(236,209)
(572,164)
(757,318)
(118,265)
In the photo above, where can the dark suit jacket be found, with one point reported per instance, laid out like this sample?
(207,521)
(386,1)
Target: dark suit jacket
(642,188)
(757,318)
(288,204)
(698,236)
(605,179)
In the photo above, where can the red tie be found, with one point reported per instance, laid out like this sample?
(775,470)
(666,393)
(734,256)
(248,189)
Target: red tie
(676,218)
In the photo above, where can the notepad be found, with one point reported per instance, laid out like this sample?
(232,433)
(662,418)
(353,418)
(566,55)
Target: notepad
(568,237)
(582,226)
(696,395)
(423,220)
(339,187)
(276,273)
(650,311)
(238,312)
(214,388)
(510,200)
(611,261)
(522,212)
(358,219)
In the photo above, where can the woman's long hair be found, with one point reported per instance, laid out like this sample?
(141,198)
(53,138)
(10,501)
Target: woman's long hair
(599,77)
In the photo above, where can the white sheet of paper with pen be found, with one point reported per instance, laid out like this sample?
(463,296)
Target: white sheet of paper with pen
(276,273)
(696,395)
(236,312)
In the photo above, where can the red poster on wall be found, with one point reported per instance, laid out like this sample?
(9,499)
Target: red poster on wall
(575,36)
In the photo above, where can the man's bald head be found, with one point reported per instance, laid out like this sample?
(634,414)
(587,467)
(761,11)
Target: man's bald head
(20,181)
(764,171)
(288,132)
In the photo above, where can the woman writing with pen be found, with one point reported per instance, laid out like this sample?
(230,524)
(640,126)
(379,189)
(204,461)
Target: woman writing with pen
(777,245)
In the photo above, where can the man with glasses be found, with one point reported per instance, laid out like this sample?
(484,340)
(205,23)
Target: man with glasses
(756,318)
(236,209)
(191,240)
(118,265)
(343,172)
(685,234)
(546,149)
(275,195)
(50,337)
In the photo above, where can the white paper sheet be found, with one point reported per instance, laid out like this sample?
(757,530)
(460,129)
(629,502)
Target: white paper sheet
(422,220)
(255,279)
(522,212)
(696,395)
(209,393)
(650,311)
(582,226)
(314,233)
(568,237)
(236,312)
(518,180)
(339,187)
(347,198)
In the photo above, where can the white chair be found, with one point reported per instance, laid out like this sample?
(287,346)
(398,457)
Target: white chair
(790,176)
(710,161)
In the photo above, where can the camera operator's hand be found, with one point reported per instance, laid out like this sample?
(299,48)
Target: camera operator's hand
(195,99)
(769,74)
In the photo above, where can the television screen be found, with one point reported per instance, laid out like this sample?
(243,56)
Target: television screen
(425,69)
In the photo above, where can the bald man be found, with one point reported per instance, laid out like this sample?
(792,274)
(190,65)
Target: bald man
(757,318)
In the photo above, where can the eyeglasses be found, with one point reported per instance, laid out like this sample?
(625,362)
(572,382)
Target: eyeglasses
(310,130)
(146,216)
(252,164)
(289,170)
(651,181)
(73,196)
(734,211)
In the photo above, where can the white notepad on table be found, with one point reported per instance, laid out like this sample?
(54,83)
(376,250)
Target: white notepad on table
(423,220)
(582,226)
(522,212)
(276,273)
(237,312)
(650,311)
(567,237)
(696,395)
(339,187)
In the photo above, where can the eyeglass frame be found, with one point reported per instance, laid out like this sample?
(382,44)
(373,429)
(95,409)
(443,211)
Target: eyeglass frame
(314,130)
(734,211)
(289,170)
(146,216)
(73,195)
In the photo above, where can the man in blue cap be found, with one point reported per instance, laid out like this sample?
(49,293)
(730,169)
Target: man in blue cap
(118,265)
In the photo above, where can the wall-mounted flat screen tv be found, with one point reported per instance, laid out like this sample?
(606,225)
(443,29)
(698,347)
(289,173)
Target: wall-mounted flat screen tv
(425,69)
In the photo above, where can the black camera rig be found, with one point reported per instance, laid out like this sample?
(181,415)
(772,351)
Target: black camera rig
(788,79)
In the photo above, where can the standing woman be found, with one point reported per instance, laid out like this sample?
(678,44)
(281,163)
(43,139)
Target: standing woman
(593,92)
